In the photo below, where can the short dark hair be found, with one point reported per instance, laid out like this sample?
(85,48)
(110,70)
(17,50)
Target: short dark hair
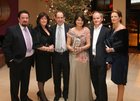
(40,15)
(59,12)
(23,11)
(81,15)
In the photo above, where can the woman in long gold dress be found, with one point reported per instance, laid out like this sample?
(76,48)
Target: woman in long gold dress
(78,42)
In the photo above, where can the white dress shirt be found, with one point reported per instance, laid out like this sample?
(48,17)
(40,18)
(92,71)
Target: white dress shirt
(96,33)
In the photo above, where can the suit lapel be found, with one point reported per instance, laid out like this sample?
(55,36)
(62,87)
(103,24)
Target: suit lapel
(91,35)
(66,30)
(20,35)
(53,32)
(100,34)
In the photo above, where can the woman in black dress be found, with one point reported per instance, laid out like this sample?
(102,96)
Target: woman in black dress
(119,53)
(43,51)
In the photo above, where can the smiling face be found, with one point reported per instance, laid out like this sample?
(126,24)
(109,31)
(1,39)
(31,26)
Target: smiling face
(59,18)
(24,19)
(79,22)
(43,21)
(97,18)
(79,19)
(115,18)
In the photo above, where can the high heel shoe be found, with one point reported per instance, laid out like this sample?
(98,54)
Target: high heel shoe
(41,96)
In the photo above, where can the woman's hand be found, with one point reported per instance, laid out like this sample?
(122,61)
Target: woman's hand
(48,49)
(108,66)
(51,48)
(109,50)
(77,49)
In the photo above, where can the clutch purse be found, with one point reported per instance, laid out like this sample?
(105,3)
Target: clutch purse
(107,43)
(117,44)
(113,44)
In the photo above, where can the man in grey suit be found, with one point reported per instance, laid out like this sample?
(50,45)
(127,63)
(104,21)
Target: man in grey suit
(18,50)
(98,54)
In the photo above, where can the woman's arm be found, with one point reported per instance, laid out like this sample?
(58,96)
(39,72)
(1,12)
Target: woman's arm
(69,42)
(87,45)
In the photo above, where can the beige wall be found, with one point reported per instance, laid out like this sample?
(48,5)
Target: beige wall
(120,5)
(34,7)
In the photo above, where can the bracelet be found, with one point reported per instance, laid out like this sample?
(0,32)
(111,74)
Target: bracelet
(11,60)
(107,62)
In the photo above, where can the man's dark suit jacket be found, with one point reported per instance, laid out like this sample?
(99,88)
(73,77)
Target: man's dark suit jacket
(100,45)
(14,45)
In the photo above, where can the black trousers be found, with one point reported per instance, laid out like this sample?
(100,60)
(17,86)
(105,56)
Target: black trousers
(19,78)
(61,69)
(98,77)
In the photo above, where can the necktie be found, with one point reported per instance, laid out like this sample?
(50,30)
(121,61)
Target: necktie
(59,38)
(27,39)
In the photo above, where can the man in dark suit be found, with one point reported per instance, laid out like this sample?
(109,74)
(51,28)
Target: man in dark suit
(18,50)
(98,57)
(60,57)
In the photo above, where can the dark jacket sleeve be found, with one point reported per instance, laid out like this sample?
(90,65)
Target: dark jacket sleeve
(7,45)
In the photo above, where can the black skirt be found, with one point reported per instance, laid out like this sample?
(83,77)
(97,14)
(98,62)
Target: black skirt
(43,66)
(119,69)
